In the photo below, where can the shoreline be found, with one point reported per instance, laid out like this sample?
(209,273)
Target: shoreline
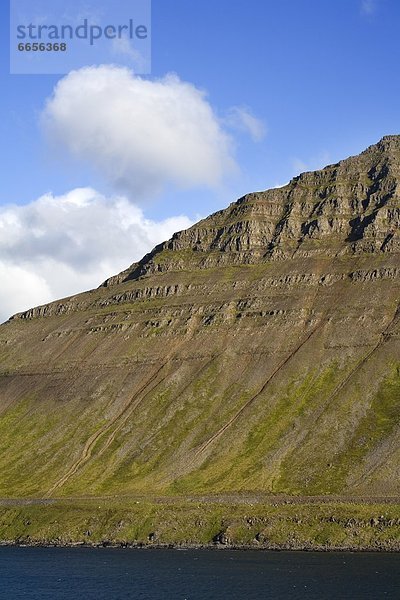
(182,523)
(213,547)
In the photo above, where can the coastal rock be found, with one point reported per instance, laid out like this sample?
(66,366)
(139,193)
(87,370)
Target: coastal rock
(221,538)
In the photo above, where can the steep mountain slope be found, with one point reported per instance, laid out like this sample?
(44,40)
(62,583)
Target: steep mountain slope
(258,350)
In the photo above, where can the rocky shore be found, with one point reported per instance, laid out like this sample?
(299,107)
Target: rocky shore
(184,524)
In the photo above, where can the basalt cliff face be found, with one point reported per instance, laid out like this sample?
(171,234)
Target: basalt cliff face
(258,350)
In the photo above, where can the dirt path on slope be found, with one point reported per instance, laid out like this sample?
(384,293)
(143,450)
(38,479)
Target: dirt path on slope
(88,447)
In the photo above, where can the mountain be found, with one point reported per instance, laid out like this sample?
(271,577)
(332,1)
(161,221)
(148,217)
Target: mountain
(257,351)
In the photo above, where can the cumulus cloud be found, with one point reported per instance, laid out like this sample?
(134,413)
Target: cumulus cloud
(242,119)
(20,288)
(57,246)
(142,135)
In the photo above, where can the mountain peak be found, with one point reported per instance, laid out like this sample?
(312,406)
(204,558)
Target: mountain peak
(388,144)
(351,207)
(390,139)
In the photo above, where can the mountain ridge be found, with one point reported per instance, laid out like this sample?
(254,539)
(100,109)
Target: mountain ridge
(387,146)
(257,350)
(247,243)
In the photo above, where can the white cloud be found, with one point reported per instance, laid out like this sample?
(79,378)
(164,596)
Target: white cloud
(242,119)
(20,288)
(123,47)
(368,7)
(57,246)
(142,135)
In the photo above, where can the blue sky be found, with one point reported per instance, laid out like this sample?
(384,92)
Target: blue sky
(320,78)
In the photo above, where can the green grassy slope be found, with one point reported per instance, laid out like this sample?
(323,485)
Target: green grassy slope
(209,391)
(254,355)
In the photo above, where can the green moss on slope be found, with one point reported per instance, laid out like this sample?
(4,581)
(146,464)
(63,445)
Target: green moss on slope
(355,426)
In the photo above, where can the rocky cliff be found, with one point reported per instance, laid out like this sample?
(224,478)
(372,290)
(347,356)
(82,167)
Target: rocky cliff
(256,351)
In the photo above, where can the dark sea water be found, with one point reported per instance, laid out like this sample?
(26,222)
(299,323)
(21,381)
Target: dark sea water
(113,574)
